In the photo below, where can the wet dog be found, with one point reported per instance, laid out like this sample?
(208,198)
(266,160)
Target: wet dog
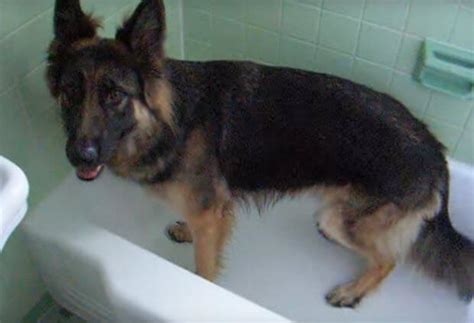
(209,135)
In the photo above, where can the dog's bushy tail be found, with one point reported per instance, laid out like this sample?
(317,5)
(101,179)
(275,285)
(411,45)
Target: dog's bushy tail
(445,254)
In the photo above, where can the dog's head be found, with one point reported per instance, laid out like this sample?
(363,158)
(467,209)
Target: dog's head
(105,86)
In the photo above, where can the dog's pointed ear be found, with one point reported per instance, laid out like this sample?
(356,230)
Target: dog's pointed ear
(144,33)
(71,23)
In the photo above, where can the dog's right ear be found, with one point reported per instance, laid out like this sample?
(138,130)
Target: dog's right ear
(71,23)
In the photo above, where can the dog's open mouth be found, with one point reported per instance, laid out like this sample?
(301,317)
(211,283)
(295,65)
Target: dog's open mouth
(89,173)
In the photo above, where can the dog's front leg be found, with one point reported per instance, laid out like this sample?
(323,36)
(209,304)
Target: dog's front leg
(210,230)
(208,211)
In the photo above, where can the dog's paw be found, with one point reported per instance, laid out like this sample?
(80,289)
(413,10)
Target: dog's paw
(344,296)
(179,232)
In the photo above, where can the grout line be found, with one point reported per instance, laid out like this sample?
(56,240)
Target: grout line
(464,129)
(25,24)
(315,60)
(211,23)
(181,34)
(280,32)
(463,6)
(458,142)
(359,33)
(400,46)
(246,30)
(318,33)
(426,107)
(17,80)
(453,27)
(471,115)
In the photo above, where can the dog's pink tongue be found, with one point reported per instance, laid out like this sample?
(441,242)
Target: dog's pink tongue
(88,174)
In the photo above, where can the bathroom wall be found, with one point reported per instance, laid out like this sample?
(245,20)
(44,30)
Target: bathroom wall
(30,131)
(374,42)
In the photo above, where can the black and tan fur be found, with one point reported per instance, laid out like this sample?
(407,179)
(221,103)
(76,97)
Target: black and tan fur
(206,136)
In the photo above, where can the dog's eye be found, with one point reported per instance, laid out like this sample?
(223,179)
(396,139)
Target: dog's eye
(115,97)
(65,100)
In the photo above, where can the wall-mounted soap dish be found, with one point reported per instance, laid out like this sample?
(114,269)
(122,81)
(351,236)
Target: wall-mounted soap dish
(447,69)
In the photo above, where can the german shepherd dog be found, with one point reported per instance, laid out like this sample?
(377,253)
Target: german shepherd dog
(209,135)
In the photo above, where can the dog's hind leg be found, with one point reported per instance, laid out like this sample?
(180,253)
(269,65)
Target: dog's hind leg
(380,232)
(350,294)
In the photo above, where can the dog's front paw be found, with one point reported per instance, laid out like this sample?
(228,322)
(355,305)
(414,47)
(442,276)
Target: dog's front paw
(179,232)
(344,296)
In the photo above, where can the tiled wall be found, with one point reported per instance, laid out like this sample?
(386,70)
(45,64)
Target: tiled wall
(30,131)
(375,42)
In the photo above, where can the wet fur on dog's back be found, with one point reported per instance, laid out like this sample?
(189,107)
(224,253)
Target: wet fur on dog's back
(218,132)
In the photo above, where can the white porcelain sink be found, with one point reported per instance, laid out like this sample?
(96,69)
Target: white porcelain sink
(14,189)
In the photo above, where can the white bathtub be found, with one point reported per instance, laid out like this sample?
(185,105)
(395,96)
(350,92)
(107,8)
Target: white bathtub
(102,252)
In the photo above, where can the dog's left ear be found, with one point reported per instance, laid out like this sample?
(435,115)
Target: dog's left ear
(144,33)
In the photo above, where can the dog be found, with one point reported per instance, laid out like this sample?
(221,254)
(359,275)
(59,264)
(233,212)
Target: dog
(208,136)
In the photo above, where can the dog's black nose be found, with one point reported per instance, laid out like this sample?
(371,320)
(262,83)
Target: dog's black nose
(87,151)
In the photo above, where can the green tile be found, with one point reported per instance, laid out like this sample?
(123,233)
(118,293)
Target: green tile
(410,92)
(374,76)
(295,53)
(228,34)
(264,13)
(434,18)
(115,18)
(449,109)
(113,22)
(465,149)
(300,20)
(15,13)
(391,13)
(262,45)
(468,3)
(232,9)
(21,52)
(409,53)
(47,144)
(197,51)
(34,91)
(463,34)
(3,296)
(19,143)
(104,8)
(199,4)
(446,133)
(333,62)
(470,121)
(387,44)
(351,8)
(24,287)
(197,24)
(173,21)
(317,3)
(169,4)
(338,32)
(173,45)
(220,53)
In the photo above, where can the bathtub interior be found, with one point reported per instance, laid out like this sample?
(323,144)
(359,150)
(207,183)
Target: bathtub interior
(275,259)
